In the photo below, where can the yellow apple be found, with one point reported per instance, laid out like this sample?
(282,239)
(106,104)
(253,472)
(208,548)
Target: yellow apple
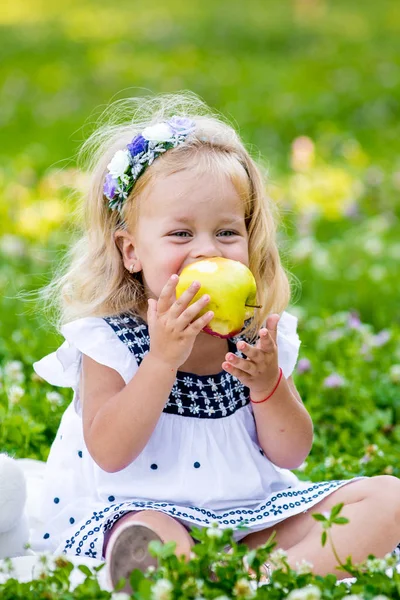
(232,290)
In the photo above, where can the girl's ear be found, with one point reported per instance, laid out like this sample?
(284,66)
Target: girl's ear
(126,246)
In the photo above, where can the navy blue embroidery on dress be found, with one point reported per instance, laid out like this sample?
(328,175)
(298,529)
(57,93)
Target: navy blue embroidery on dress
(276,507)
(200,396)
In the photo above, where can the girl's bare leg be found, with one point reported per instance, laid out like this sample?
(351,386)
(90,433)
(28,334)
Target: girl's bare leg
(373,509)
(165,526)
(126,548)
(168,529)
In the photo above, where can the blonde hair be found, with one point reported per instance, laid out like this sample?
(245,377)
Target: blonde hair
(92,280)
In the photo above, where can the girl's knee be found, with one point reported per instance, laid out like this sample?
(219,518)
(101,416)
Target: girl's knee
(385,486)
(159,518)
(168,528)
(386,489)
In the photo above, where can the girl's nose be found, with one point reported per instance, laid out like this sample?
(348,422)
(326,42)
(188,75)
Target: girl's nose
(205,248)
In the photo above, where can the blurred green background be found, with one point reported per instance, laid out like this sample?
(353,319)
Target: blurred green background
(314,88)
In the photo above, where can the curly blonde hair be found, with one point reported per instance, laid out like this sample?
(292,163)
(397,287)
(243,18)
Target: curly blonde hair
(92,280)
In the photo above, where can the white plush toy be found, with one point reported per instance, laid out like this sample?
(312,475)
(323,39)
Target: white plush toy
(14,530)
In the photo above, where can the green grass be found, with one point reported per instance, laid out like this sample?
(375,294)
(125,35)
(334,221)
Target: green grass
(276,68)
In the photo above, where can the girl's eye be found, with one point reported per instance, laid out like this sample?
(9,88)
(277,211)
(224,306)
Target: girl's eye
(224,233)
(180,233)
(228,233)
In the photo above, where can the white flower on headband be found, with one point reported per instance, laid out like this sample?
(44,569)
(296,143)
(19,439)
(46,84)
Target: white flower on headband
(119,163)
(161,132)
(127,165)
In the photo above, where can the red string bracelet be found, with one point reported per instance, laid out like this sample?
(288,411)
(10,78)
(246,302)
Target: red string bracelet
(273,391)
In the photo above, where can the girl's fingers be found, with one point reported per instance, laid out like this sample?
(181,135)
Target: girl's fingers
(180,304)
(168,295)
(249,351)
(272,326)
(192,311)
(238,373)
(243,364)
(266,342)
(200,323)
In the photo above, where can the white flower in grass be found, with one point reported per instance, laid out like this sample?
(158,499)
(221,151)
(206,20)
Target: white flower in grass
(278,558)
(214,532)
(394,373)
(13,370)
(120,596)
(376,565)
(310,592)
(15,393)
(391,559)
(46,563)
(373,246)
(304,567)
(380,597)
(161,132)
(199,585)
(162,590)
(243,589)
(119,163)
(12,245)
(54,398)
(193,585)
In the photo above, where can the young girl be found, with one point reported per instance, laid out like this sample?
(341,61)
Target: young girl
(171,427)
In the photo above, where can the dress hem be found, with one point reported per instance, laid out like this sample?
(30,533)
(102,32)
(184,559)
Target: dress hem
(88,539)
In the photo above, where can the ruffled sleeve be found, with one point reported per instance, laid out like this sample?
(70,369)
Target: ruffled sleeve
(288,343)
(95,338)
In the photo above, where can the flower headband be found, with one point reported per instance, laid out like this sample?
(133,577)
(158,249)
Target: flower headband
(126,166)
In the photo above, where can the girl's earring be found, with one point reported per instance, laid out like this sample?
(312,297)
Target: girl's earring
(131,268)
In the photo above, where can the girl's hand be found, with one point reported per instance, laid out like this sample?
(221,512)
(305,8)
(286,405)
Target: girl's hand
(173,326)
(260,370)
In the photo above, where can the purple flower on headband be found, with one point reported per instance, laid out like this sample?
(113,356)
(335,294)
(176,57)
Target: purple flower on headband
(137,145)
(181,125)
(110,186)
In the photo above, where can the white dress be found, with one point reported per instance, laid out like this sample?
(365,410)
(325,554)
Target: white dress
(202,463)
